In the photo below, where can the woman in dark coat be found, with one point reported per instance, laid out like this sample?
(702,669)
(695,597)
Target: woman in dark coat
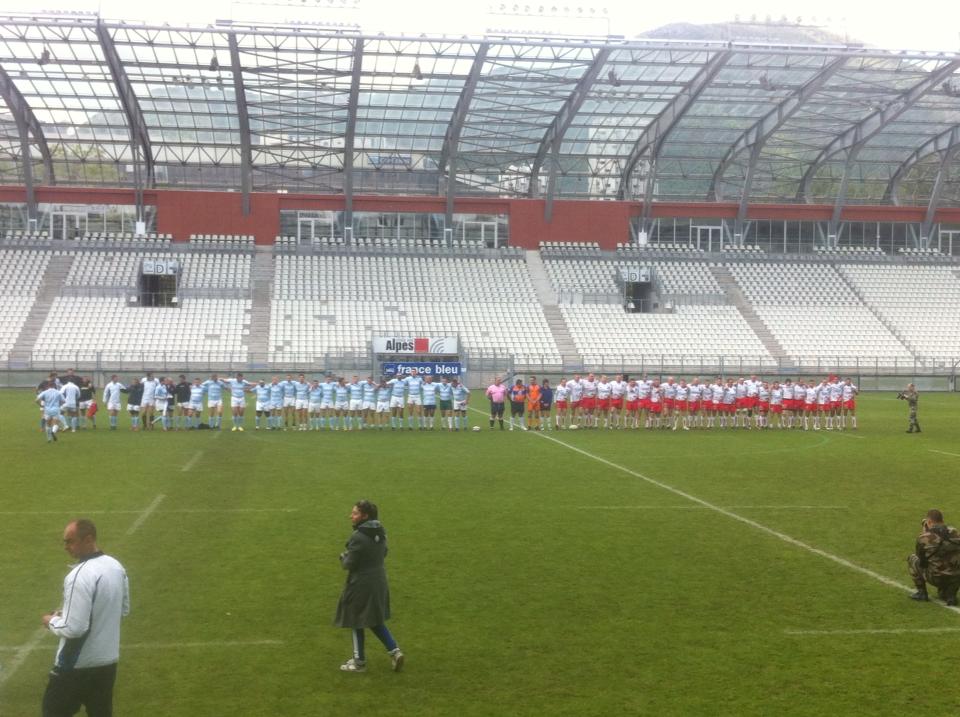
(365,601)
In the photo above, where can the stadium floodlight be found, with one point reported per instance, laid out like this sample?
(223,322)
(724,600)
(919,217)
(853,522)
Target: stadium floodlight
(214,64)
(44,57)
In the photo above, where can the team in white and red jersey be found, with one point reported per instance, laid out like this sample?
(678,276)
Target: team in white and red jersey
(718,403)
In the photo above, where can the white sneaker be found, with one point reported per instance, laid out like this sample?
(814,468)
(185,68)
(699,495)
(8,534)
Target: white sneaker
(396,660)
(353,665)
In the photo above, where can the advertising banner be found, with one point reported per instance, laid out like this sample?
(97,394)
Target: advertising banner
(446,345)
(424,368)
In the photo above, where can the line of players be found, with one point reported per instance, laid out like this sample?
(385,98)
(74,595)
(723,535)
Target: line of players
(589,402)
(287,404)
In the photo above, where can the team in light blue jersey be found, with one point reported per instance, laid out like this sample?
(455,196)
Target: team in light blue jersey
(214,387)
(326,404)
(289,401)
(301,392)
(262,392)
(238,399)
(461,397)
(111,399)
(50,400)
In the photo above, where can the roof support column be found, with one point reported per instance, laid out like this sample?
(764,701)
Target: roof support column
(27,175)
(451,142)
(854,138)
(349,140)
(550,144)
(764,128)
(27,124)
(941,144)
(943,173)
(139,136)
(246,152)
(654,136)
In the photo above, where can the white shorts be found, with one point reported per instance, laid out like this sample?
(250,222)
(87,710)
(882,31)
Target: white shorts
(459,405)
(396,402)
(314,407)
(55,413)
(383,407)
(302,404)
(414,401)
(237,402)
(195,406)
(369,405)
(133,408)
(113,406)
(276,405)
(356,404)
(146,402)
(325,404)
(341,405)
(262,406)
(214,403)
(161,406)
(84,405)
(69,407)
(289,401)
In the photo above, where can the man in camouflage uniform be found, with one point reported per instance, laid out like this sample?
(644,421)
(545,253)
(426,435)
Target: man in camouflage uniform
(911,396)
(937,559)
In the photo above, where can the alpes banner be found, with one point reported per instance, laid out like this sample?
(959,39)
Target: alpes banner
(420,345)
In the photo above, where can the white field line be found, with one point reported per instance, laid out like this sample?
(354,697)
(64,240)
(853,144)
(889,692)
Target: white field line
(32,645)
(891,631)
(742,519)
(145,514)
(945,453)
(192,462)
(21,653)
(704,507)
(137,512)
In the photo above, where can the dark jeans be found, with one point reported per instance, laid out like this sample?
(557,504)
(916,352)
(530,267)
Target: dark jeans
(91,687)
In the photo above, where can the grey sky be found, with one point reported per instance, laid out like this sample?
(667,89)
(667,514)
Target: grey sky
(923,25)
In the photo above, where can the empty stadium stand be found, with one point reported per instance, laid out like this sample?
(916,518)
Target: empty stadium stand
(21,275)
(811,311)
(331,302)
(918,303)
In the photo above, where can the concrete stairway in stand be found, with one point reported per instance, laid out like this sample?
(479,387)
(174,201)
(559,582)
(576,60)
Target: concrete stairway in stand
(53,280)
(572,360)
(735,296)
(257,340)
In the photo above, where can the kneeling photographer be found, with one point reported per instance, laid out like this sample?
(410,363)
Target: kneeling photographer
(936,560)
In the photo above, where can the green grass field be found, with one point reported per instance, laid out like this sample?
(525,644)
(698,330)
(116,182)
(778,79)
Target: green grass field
(527,578)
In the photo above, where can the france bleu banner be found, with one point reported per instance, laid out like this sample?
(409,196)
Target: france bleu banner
(424,368)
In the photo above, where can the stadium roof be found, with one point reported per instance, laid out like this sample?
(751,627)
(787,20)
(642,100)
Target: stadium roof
(307,109)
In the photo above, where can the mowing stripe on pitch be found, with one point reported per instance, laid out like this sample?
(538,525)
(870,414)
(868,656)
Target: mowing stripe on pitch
(33,645)
(741,519)
(703,507)
(137,512)
(880,631)
(145,514)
